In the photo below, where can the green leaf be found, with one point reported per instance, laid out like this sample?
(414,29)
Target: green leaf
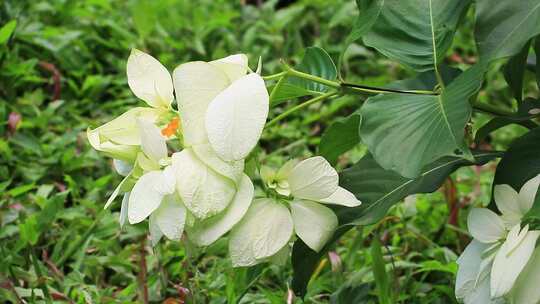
(417,33)
(340,137)
(29,230)
(287,91)
(379,272)
(405,132)
(528,109)
(369,11)
(514,72)
(504,27)
(378,189)
(317,62)
(537,53)
(6,30)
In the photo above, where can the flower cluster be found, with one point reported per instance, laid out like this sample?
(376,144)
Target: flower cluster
(201,191)
(500,265)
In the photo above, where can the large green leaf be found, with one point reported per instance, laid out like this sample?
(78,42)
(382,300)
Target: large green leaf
(340,137)
(368,12)
(378,189)
(417,33)
(317,62)
(405,132)
(503,27)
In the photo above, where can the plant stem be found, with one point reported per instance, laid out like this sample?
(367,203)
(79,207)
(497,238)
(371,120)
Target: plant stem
(377,90)
(490,109)
(275,76)
(142,274)
(301,106)
(42,285)
(330,83)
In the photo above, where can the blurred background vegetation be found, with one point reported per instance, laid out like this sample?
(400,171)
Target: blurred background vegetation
(62,70)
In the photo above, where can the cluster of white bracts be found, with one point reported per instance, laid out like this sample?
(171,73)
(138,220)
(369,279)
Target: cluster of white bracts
(202,190)
(501,264)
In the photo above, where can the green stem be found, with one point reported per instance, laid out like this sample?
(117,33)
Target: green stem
(490,109)
(277,86)
(377,90)
(275,76)
(301,106)
(42,285)
(330,83)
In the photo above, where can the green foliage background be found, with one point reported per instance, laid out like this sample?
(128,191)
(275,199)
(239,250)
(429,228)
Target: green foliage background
(62,70)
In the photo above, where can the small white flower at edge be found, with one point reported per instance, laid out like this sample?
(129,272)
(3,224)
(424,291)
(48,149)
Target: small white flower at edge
(491,263)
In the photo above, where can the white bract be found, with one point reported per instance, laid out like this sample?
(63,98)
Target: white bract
(222,112)
(271,222)
(500,252)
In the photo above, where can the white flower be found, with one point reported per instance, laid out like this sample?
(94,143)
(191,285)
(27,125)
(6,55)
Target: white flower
(501,248)
(269,224)
(222,112)
(526,289)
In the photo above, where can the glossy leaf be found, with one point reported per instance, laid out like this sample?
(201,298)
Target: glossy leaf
(316,61)
(417,33)
(405,132)
(503,27)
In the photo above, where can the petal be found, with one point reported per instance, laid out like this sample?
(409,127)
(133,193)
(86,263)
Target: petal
(230,169)
(124,130)
(468,268)
(155,232)
(313,179)
(510,261)
(204,192)
(313,223)
(149,79)
(196,84)
(526,289)
(480,294)
(208,231)
(527,194)
(153,143)
(124,210)
(485,225)
(264,230)
(235,66)
(506,199)
(123,152)
(171,217)
(285,170)
(116,192)
(147,194)
(342,197)
(236,117)
(122,167)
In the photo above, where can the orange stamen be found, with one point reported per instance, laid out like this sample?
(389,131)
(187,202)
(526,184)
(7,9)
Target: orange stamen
(171,128)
